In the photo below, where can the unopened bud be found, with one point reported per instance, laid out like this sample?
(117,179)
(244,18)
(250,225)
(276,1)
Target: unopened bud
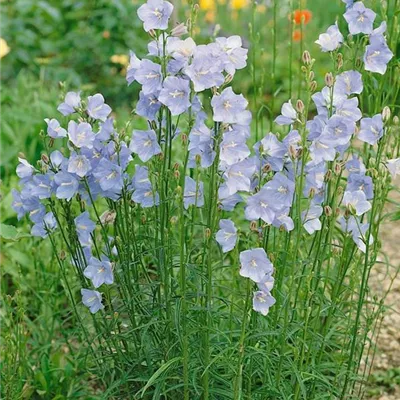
(45,159)
(303,69)
(358,63)
(51,142)
(82,204)
(174,220)
(177,174)
(21,155)
(228,79)
(198,159)
(311,75)
(152,33)
(396,120)
(108,217)
(340,190)
(62,255)
(328,175)
(267,168)
(253,226)
(184,138)
(338,168)
(328,211)
(386,114)
(176,166)
(312,193)
(351,209)
(306,57)
(293,151)
(340,60)
(313,86)
(143,219)
(208,233)
(329,80)
(300,106)
(337,211)
(272,257)
(179,30)
(160,156)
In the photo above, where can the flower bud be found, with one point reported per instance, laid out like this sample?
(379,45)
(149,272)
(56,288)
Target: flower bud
(292,151)
(358,63)
(386,114)
(198,159)
(272,257)
(228,79)
(313,86)
(300,106)
(329,80)
(179,30)
(108,217)
(312,193)
(143,219)
(396,120)
(328,211)
(340,190)
(152,33)
(177,174)
(51,142)
(62,255)
(340,60)
(267,168)
(176,166)
(173,220)
(328,175)
(22,155)
(337,211)
(161,156)
(184,138)
(253,226)
(45,158)
(311,75)
(303,69)
(208,233)
(82,204)
(338,168)
(306,57)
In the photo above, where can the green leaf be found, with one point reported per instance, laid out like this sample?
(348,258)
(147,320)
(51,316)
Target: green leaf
(10,232)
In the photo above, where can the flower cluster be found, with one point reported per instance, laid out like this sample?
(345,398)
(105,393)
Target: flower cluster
(360,20)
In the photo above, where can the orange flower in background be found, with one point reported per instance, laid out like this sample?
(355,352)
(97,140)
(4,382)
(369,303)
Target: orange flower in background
(297,35)
(302,16)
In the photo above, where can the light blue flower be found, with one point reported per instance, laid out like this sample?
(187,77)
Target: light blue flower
(371,129)
(357,202)
(349,82)
(228,106)
(84,227)
(72,101)
(262,301)
(92,300)
(109,175)
(67,185)
(360,18)
(331,40)
(99,271)
(155,14)
(227,235)
(149,76)
(310,218)
(255,264)
(148,105)
(144,144)
(97,108)
(78,164)
(193,193)
(54,129)
(288,114)
(81,135)
(175,95)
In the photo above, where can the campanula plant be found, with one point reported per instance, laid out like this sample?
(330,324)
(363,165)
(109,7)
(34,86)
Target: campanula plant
(200,264)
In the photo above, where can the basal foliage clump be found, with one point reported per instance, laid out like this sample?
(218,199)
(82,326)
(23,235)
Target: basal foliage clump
(211,268)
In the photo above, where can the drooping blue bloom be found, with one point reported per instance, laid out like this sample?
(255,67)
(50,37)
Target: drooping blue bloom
(24,169)
(109,175)
(316,126)
(280,191)
(361,182)
(310,218)
(155,14)
(262,302)
(360,18)
(54,129)
(99,271)
(260,206)
(144,144)
(34,207)
(84,227)
(134,65)
(355,165)
(267,283)
(371,129)
(146,197)
(282,219)
(227,235)
(337,132)
(203,148)
(43,185)
(271,151)
(175,95)
(57,159)
(228,106)
(325,101)
(321,151)
(255,264)
(233,148)
(141,177)
(238,176)
(377,54)
(42,228)
(148,105)
(349,109)
(149,76)
(97,108)
(122,157)
(181,48)
(393,166)
(331,40)
(78,164)
(72,101)
(204,73)
(228,202)
(356,202)
(288,114)
(81,135)
(193,193)
(67,185)
(92,300)
(18,204)
(358,231)
(349,82)
(236,54)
